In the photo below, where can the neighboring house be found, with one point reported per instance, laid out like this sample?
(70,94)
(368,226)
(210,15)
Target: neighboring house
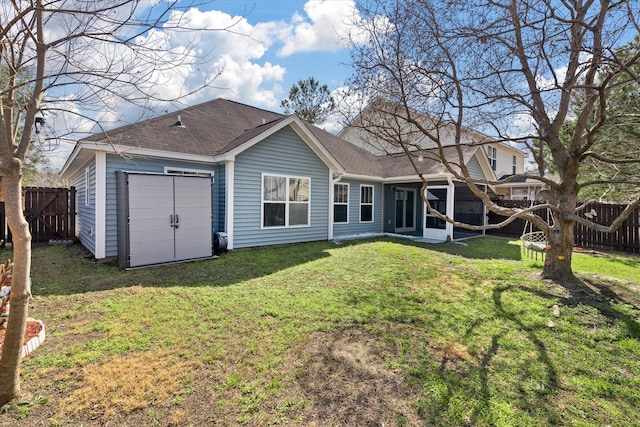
(155,191)
(520,189)
(504,159)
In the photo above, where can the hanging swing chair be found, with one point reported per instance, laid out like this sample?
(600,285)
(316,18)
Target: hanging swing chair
(533,242)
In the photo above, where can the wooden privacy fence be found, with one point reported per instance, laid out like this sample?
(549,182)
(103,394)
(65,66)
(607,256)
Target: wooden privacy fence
(517,227)
(625,239)
(50,212)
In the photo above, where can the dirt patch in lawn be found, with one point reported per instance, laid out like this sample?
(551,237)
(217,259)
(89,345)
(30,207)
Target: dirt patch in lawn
(347,378)
(628,293)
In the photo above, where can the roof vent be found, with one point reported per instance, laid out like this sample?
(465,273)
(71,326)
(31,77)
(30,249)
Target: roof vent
(179,123)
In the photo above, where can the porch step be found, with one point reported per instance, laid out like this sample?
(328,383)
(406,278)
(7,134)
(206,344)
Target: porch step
(423,240)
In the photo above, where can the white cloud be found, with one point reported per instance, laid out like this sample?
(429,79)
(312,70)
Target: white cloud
(226,48)
(556,77)
(215,32)
(221,54)
(553,81)
(246,81)
(327,28)
(522,125)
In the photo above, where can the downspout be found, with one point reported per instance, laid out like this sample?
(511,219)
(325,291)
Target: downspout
(383,219)
(100,222)
(332,182)
(230,200)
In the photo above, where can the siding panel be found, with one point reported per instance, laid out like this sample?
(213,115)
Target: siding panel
(475,170)
(355,227)
(86,215)
(283,153)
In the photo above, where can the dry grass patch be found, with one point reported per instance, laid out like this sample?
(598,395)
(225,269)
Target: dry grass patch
(125,383)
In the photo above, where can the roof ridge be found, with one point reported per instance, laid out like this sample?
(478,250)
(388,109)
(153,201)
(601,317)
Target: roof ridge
(250,106)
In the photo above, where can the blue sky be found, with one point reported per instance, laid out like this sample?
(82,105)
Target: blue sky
(275,43)
(270,45)
(326,59)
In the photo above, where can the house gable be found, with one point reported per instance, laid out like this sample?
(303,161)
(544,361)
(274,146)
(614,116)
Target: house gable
(283,154)
(249,140)
(479,167)
(505,155)
(381,111)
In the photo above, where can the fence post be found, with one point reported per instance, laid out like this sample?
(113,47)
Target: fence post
(72,212)
(3,226)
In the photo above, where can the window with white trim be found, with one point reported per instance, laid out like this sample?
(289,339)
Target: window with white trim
(366,203)
(341,203)
(87,184)
(285,201)
(492,154)
(514,164)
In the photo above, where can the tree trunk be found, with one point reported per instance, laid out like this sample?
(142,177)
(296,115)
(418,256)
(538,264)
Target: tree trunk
(20,288)
(557,266)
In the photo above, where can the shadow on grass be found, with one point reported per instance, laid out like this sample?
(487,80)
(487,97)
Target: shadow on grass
(520,358)
(71,270)
(603,297)
(619,258)
(484,383)
(540,399)
(59,270)
(505,385)
(486,247)
(596,295)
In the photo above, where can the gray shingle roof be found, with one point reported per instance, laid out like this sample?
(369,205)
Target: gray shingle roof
(216,127)
(353,159)
(208,128)
(399,165)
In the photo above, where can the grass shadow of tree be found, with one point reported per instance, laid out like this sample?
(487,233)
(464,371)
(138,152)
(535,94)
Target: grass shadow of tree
(539,400)
(598,295)
(523,351)
(601,296)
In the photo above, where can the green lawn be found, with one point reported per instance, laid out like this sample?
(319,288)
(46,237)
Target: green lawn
(365,332)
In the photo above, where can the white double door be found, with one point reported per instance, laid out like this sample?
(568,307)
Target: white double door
(169,219)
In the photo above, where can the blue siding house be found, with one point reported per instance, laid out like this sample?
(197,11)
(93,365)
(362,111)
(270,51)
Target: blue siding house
(269,179)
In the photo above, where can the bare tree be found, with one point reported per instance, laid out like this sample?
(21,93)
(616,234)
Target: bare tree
(91,54)
(444,67)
